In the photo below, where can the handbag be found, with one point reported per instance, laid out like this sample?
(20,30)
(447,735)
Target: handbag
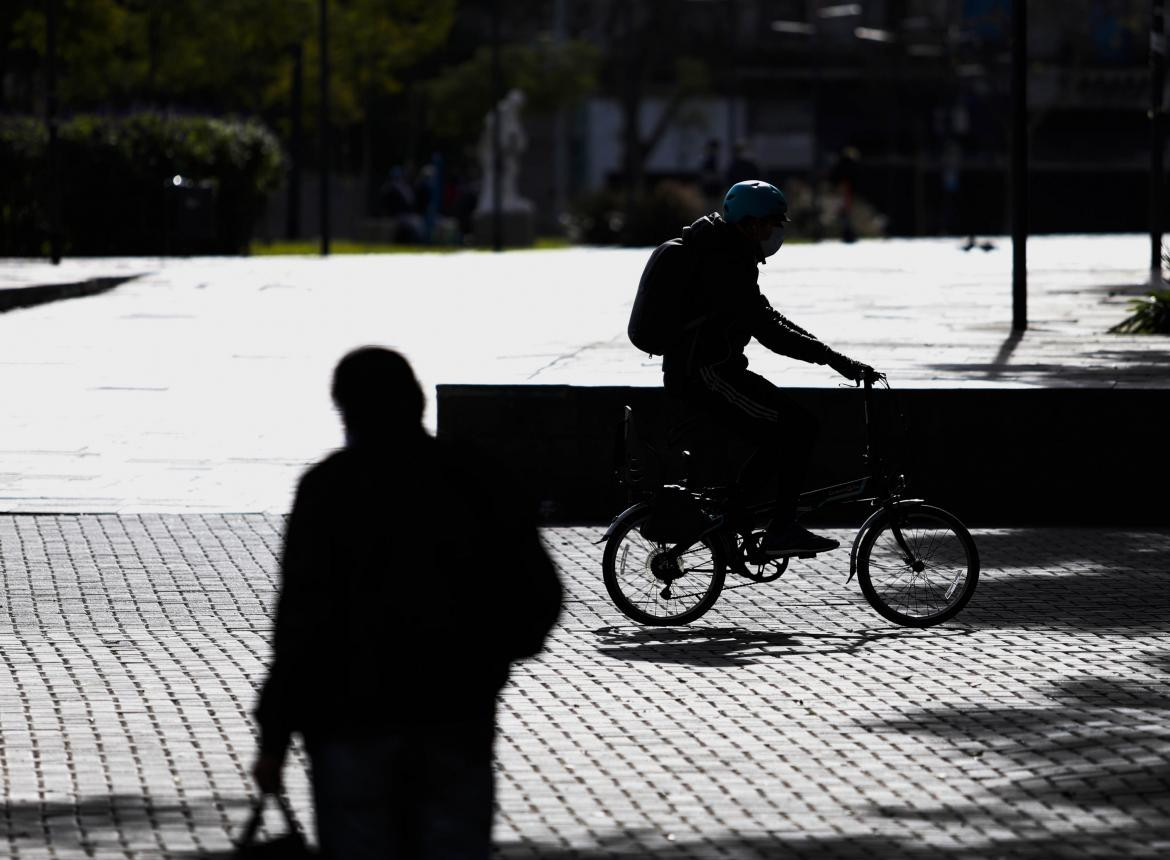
(290,846)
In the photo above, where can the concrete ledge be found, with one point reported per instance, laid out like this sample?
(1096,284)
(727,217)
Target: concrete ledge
(993,456)
(23,297)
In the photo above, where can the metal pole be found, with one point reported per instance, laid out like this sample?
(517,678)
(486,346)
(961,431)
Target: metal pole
(732,128)
(51,123)
(497,155)
(1019,175)
(296,144)
(560,167)
(1157,137)
(323,121)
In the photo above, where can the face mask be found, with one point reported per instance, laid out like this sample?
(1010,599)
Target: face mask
(772,244)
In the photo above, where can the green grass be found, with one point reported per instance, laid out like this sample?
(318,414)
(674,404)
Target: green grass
(347,246)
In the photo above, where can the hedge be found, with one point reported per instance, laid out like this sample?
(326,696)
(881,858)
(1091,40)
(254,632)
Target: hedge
(118,192)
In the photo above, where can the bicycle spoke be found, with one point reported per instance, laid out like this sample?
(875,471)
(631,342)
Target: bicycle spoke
(923,556)
(931,591)
(935,546)
(892,543)
(924,578)
(635,579)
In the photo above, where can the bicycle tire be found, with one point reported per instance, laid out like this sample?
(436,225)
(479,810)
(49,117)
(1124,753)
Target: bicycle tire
(629,571)
(911,597)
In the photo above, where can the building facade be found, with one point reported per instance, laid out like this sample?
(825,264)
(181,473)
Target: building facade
(916,92)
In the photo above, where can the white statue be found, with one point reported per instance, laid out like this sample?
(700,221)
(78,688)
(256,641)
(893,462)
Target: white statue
(513,142)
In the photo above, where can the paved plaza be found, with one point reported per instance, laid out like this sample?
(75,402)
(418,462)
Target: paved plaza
(791,721)
(152,436)
(203,384)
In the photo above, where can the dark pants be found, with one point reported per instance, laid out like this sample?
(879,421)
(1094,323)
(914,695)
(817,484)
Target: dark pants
(418,793)
(778,431)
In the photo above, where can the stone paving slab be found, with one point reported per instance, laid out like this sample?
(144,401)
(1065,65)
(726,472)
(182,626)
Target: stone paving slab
(790,721)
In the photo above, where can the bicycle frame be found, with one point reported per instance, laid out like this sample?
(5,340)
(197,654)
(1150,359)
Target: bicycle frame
(874,487)
(646,546)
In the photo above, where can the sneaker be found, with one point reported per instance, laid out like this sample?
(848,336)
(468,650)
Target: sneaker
(795,540)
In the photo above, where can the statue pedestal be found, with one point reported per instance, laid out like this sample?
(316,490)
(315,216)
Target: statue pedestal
(517,228)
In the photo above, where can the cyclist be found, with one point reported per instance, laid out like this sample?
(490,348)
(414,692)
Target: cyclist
(707,370)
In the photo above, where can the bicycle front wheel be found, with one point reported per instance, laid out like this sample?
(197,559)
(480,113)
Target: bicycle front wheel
(931,583)
(658,594)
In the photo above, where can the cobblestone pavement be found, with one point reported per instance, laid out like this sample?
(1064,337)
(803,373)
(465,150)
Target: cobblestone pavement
(791,721)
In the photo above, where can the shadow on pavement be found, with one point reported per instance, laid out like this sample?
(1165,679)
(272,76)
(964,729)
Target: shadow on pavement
(731,646)
(1133,365)
(1105,548)
(23,297)
(629,847)
(1005,352)
(106,825)
(1097,755)
(1094,583)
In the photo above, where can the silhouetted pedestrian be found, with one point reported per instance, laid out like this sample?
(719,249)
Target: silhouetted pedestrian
(398,202)
(428,195)
(396,196)
(410,580)
(844,176)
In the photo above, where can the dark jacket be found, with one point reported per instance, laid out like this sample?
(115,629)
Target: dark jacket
(726,294)
(410,579)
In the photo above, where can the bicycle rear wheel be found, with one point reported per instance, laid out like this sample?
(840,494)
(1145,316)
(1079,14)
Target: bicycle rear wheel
(656,594)
(934,582)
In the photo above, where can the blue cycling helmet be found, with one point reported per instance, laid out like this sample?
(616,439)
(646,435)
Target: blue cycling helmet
(753,198)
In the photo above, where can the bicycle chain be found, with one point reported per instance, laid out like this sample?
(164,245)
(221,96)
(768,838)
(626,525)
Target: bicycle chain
(750,581)
(727,587)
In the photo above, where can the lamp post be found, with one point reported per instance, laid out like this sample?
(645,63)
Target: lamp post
(732,88)
(497,159)
(296,144)
(51,123)
(323,122)
(1157,136)
(560,166)
(1019,174)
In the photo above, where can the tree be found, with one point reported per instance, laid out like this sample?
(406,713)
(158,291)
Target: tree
(645,39)
(217,55)
(371,42)
(551,74)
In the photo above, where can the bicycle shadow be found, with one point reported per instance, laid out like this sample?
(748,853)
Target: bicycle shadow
(730,646)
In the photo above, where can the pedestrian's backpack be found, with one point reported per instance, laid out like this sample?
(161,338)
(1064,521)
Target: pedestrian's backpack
(659,317)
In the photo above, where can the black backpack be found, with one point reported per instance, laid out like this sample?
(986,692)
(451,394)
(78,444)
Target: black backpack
(660,314)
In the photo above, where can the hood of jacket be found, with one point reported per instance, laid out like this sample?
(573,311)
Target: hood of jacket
(712,233)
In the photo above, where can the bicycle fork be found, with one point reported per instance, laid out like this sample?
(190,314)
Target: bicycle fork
(891,512)
(916,564)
